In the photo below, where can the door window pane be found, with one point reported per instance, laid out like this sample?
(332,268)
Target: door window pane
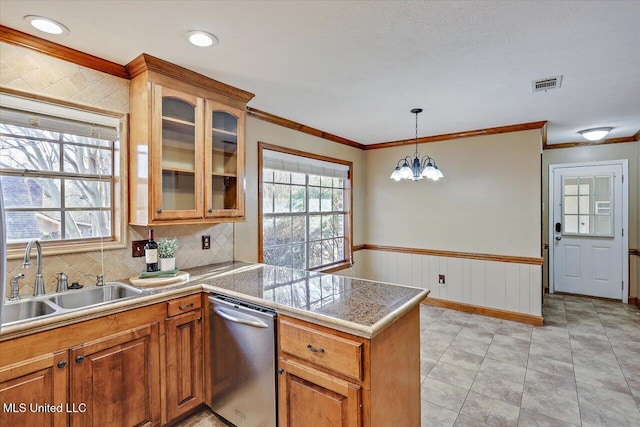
(587,205)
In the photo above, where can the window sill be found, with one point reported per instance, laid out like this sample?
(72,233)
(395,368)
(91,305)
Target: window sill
(61,249)
(334,267)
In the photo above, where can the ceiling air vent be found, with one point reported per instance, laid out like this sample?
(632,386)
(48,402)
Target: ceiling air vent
(546,84)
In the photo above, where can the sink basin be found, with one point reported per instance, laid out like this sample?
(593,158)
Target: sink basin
(93,296)
(23,310)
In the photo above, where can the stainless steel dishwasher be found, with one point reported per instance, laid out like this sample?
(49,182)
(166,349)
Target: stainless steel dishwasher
(243,362)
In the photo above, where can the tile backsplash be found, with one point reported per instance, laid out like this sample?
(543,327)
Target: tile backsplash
(117,264)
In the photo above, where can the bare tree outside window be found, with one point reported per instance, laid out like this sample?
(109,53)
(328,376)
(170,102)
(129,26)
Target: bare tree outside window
(58,186)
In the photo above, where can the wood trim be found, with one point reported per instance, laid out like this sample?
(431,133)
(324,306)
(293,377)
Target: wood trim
(456,135)
(46,47)
(485,311)
(333,268)
(636,136)
(358,248)
(348,190)
(281,121)
(620,140)
(145,62)
(634,301)
(452,254)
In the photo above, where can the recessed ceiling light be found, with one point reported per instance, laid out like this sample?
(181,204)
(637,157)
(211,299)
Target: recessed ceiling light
(202,38)
(595,134)
(47,25)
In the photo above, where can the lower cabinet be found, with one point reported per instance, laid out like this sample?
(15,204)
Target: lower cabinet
(38,381)
(184,363)
(309,397)
(117,379)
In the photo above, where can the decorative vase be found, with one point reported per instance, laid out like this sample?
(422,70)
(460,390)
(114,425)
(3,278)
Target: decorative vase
(167,264)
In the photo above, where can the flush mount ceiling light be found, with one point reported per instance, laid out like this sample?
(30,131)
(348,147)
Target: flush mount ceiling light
(202,38)
(47,25)
(595,134)
(416,169)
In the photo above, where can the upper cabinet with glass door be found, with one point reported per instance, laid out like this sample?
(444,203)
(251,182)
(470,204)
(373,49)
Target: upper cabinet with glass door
(224,157)
(186,156)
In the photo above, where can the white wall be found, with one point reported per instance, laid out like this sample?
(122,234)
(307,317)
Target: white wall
(488,201)
(246,233)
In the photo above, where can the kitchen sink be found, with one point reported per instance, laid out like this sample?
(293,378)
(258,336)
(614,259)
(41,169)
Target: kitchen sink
(24,310)
(94,296)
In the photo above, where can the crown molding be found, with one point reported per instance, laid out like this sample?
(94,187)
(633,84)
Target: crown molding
(272,118)
(620,140)
(456,135)
(46,47)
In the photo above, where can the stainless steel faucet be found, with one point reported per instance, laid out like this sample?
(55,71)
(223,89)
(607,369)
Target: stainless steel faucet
(15,288)
(38,287)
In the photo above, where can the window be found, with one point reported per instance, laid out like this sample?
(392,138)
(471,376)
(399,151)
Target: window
(305,205)
(58,170)
(586,207)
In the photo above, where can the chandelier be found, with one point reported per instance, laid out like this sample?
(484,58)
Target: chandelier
(416,169)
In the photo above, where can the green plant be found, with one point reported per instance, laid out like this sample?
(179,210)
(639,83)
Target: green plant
(167,248)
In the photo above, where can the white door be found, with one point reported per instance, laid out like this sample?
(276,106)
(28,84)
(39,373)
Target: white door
(586,229)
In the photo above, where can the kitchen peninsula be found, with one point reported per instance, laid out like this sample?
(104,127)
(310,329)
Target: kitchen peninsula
(365,372)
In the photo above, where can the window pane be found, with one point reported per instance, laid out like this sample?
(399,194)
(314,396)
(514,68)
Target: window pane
(86,194)
(326,200)
(23,226)
(298,198)
(283,230)
(298,257)
(571,224)
(602,184)
(268,231)
(282,195)
(315,254)
(585,185)
(29,192)
(339,225)
(327,252)
(315,228)
(29,154)
(314,199)
(299,228)
(327,226)
(326,181)
(583,224)
(267,175)
(603,225)
(267,198)
(338,182)
(571,186)
(87,160)
(86,224)
(282,177)
(278,256)
(570,204)
(338,199)
(298,178)
(585,205)
(314,180)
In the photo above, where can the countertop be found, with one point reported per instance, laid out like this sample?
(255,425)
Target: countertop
(357,306)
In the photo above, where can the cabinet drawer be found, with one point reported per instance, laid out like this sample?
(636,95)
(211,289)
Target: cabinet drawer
(342,355)
(183,305)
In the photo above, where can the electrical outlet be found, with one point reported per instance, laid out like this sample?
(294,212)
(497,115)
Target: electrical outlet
(137,248)
(441,279)
(206,242)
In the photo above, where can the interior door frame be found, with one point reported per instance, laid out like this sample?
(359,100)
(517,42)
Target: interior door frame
(625,218)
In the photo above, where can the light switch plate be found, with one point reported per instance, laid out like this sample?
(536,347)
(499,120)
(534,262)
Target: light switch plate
(137,248)
(206,242)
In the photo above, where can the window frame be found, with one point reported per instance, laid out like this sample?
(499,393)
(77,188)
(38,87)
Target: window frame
(347,204)
(119,199)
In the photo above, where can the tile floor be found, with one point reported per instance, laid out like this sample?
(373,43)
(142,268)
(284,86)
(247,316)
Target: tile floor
(581,369)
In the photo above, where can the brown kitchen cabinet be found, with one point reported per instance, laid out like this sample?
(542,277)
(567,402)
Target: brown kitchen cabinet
(186,148)
(39,380)
(184,356)
(117,378)
(332,378)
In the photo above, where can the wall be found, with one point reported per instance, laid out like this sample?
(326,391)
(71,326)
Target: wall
(629,151)
(487,203)
(260,131)
(28,71)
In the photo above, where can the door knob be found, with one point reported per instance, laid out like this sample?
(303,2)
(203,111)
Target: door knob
(558,238)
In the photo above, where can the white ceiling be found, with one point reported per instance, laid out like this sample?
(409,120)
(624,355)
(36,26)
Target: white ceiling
(355,69)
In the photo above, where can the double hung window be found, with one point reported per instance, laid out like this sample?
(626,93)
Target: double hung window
(305,210)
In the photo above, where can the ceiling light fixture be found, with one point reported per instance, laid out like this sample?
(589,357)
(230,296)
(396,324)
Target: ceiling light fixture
(595,134)
(202,38)
(416,169)
(46,25)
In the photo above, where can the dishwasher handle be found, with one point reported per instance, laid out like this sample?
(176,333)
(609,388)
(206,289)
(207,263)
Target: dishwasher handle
(226,315)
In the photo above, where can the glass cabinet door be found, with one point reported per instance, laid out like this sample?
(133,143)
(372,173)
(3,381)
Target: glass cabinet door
(225,160)
(177,144)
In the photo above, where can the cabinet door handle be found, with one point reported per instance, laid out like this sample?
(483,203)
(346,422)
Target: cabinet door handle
(199,319)
(314,350)
(210,210)
(62,364)
(159,211)
(182,307)
(79,359)
(280,371)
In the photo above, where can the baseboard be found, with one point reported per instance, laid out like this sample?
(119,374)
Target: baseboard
(634,301)
(485,311)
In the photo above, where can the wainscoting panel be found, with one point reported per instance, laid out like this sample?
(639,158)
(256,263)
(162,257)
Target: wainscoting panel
(493,284)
